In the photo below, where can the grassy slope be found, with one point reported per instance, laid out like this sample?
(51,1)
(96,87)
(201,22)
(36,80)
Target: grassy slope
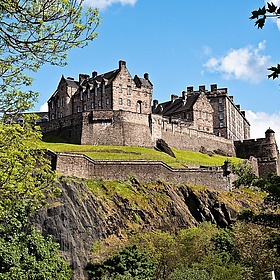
(139,153)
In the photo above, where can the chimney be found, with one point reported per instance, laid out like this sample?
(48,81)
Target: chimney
(189,90)
(214,87)
(155,103)
(174,97)
(201,88)
(122,64)
(83,77)
(184,94)
(238,107)
(231,98)
(146,76)
(93,74)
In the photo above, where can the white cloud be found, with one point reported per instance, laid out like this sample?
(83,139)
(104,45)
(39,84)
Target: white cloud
(246,64)
(102,4)
(261,121)
(44,107)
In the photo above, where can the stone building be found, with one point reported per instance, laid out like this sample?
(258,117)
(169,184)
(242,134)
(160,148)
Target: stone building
(228,120)
(210,111)
(194,109)
(114,90)
(115,109)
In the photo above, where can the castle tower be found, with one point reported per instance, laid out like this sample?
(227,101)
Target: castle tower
(270,138)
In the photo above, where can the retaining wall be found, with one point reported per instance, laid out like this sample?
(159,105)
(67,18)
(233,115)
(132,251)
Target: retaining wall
(147,171)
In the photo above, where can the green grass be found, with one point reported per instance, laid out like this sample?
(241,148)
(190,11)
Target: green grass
(183,158)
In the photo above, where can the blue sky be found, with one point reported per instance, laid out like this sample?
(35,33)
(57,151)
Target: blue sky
(184,43)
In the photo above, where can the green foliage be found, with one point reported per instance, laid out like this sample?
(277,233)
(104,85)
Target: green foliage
(246,176)
(128,263)
(25,174)
(260,16)
(255,250)
(271,185)
(25,253)
(33,33)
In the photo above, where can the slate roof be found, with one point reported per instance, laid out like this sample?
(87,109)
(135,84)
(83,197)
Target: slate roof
(110,76)
(170,108)
(71,82)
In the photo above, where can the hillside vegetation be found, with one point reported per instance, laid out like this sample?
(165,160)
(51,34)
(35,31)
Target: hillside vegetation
(183,158)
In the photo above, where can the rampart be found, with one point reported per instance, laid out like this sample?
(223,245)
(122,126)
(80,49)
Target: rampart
(82,166)
(265,150)
(123,128)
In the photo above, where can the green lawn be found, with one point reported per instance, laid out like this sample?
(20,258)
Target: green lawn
(138,153)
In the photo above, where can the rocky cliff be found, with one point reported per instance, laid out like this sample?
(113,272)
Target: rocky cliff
(90,211)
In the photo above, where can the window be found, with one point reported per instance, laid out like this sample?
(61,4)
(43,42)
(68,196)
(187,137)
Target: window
(58,103)
(92,105)
(120,88)
(221,116)
(88,93)
(221,124)
(78,109)
(85,107)
(120,101)
(61,115)
(220,100)
(52,117)
(62,102)
(103,88)
(52,104)
(128,102)
(200,114)
(81,95)
(107,101)
(128,90)
(96,91)
(206,115)
(221,108)
(99,103)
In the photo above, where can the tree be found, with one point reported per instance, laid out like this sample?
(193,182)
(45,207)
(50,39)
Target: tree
(25,253)
(33,33)
(260,15)
(129,263)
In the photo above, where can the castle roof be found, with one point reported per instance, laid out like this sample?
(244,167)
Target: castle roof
(109,76)
(175,106)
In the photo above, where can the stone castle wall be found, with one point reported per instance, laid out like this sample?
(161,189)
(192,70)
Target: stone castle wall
(122,128)
(147,171)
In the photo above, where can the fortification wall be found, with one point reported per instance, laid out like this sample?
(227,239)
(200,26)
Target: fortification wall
(117,128)
(179,136)
(122,128)
(258,148)
(146,171)
(69,128)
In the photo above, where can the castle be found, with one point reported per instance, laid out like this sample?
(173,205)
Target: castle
(115,108)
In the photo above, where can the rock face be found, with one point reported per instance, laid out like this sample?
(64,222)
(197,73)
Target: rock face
(83,215)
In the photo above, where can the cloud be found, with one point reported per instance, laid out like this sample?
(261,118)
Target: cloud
(44,107)
(261,121)
(246,64)
(102,4)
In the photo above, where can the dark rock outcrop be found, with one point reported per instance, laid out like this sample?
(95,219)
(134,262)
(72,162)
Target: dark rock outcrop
(78,218)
